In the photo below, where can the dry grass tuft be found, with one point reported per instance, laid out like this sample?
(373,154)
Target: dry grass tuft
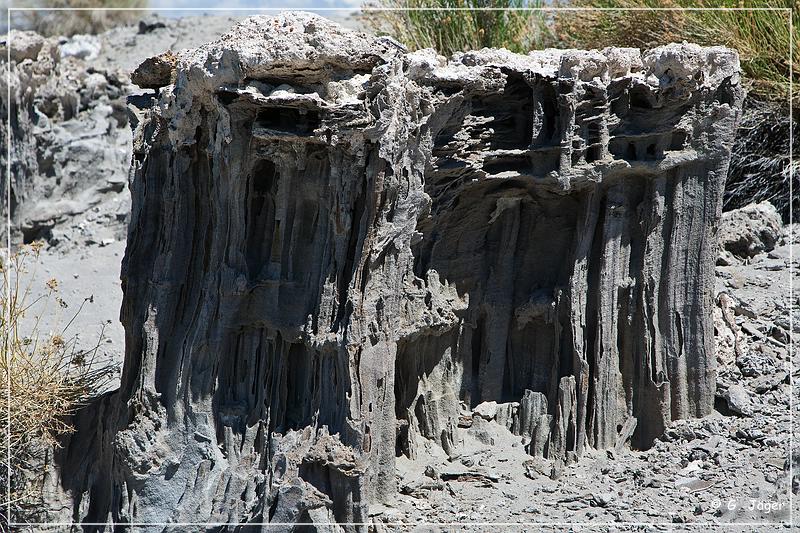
(761,37)
(69,23)
(48,379)
(456,31)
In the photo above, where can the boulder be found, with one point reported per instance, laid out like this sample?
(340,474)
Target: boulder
(22,44)
(738,400)
(486,410)
(750,230)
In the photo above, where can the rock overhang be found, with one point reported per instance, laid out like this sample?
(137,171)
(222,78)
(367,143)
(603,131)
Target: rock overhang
(305,62)
(306,46)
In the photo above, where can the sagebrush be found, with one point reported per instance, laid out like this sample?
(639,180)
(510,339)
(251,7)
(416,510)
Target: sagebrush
(760,167)
(45,378)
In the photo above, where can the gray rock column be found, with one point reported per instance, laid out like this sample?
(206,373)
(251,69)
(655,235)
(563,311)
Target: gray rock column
(334,242)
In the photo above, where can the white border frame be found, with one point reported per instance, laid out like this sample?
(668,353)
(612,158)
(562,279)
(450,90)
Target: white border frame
(586,524)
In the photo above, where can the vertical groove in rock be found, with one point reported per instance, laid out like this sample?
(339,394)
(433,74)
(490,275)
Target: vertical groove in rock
(336,245)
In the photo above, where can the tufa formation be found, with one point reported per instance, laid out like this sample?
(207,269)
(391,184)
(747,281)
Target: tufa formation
(64,122)
(339,249)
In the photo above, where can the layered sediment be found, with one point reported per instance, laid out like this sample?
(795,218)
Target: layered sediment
(339,249)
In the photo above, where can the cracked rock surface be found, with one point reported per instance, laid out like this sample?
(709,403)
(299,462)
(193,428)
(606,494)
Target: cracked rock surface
(343,257)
